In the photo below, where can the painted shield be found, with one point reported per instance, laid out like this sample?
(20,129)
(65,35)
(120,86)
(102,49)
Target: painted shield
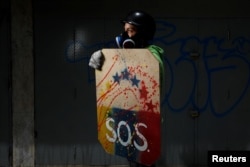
(128,104)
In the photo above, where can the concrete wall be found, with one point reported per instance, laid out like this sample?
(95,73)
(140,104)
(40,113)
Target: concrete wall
(22,83)
(206,103)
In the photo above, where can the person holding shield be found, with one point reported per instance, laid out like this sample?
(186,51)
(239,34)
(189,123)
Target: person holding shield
(139,29)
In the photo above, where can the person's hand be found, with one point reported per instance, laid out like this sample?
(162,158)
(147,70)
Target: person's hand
(96,60)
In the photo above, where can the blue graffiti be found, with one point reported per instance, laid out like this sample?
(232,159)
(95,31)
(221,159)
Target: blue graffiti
(216,58)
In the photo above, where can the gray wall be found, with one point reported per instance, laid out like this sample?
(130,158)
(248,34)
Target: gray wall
(206,105)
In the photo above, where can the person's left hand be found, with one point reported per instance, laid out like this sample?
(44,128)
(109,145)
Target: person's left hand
(96,60)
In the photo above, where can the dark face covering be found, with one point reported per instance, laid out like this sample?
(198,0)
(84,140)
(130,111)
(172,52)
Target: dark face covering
(124,41)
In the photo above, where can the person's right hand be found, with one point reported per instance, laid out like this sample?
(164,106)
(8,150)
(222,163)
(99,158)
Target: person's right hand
(96,60)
